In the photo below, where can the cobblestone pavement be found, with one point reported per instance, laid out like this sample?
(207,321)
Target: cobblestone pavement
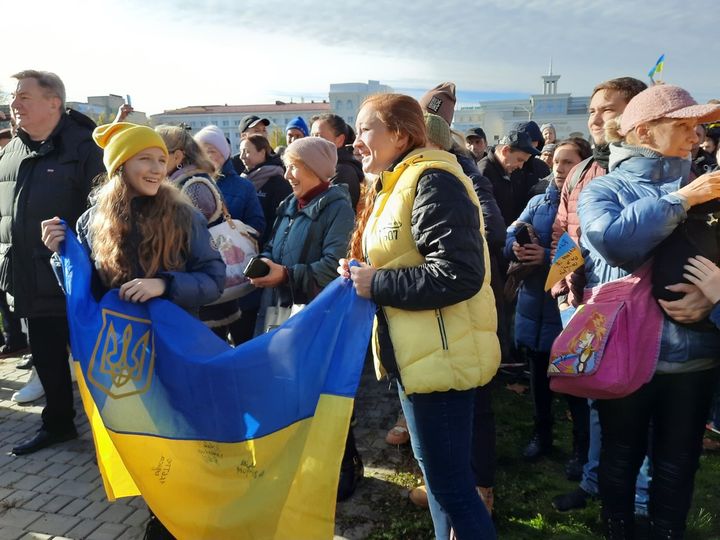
(57,493)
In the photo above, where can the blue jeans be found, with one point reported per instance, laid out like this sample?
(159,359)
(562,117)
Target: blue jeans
(440,426)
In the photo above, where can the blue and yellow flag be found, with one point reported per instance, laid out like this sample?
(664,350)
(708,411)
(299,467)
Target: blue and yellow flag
(222,443)
(657,68)
(567,259)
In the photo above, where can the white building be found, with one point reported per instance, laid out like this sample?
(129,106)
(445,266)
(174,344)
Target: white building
(228,117)
(568,114)
(102,109)
(346,98)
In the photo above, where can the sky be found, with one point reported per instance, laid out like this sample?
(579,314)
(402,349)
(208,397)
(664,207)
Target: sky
(172,53)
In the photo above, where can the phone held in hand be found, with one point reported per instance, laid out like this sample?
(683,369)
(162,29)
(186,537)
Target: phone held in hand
(256,268)
(522,235)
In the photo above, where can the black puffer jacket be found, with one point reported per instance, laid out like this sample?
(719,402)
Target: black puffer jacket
(511,193)
(446,230)
(37,183)
(349,172)
(494,224)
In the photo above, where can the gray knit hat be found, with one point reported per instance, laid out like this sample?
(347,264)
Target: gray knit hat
(547,126)
(438,131)
(319,155)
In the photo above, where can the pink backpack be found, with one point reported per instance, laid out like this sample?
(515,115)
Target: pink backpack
(610,347)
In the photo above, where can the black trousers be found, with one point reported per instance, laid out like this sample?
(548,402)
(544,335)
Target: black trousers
(483,438)
(49,338)
(542,398)
(12,334)
(677,406)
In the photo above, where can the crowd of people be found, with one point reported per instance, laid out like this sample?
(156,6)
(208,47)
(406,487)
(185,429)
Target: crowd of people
(451,238)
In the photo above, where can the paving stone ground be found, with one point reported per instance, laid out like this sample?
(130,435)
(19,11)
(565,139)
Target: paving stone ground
(57,493)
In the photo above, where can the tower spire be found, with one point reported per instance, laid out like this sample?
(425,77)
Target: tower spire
(550,72)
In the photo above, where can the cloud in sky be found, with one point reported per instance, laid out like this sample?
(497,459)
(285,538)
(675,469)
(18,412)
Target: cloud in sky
(171,53)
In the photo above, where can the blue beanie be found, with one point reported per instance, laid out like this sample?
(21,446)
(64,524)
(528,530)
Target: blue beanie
(298,123)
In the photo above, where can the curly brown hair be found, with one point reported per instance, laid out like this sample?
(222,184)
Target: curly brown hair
(164,226)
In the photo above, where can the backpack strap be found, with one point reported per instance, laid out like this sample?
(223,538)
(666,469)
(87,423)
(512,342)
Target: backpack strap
(580,169)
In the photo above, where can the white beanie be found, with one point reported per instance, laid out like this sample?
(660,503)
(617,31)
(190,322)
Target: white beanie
(214,135)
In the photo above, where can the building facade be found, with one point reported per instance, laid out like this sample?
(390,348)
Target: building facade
(228,117)
(567,113)
(346,98)
(103,109)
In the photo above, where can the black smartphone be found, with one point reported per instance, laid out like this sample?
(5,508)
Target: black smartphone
(256,268)
(522,235)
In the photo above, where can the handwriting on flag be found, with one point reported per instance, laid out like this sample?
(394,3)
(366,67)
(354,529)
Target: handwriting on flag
(567,259)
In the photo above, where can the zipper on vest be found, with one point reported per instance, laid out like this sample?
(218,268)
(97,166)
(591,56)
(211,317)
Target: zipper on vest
(441,326)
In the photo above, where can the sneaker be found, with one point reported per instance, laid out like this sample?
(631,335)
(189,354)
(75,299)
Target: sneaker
(31,391)
(26,362)
(418,496)
(572,501)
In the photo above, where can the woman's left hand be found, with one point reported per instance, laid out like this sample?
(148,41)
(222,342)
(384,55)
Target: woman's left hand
(705,275)
(275,277)
(530,254)
(142,289)
(362,277)
(692,307)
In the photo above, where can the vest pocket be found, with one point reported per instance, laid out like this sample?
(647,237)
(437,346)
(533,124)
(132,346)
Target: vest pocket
(441,327)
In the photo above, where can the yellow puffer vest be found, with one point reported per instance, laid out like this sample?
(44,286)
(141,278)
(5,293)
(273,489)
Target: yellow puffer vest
(436,350)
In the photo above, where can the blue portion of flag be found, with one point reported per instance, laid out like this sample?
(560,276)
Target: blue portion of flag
(191,384)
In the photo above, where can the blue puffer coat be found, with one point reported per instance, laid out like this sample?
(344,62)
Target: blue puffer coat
(241,198)
(537,321)
(624,216)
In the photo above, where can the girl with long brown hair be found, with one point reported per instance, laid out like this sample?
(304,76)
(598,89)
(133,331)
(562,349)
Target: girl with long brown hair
(142,234)
(423,260)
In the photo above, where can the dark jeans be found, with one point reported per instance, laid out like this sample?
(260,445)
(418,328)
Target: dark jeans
(677,406)
(542,400)
(483,441)
(440,426)
(49,338)
(12,334)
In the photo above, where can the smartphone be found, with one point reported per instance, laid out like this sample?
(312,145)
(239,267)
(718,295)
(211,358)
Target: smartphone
(522,235)
(256,268)
(128,101)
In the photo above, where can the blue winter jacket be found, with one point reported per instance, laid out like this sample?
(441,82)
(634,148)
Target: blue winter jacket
(537,320)
(240,197)
(199,282)
(624,216)
(330,219)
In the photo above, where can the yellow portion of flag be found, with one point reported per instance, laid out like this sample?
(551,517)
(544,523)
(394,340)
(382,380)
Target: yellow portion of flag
(278,487)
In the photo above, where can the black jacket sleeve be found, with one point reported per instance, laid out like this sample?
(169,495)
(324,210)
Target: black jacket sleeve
(446,229)
(345,174)
(494,222)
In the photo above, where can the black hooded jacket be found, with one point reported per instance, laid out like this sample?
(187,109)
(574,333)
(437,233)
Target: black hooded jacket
(39,181)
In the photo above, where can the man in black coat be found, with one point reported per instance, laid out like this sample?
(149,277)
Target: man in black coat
(511,192)
(46,171)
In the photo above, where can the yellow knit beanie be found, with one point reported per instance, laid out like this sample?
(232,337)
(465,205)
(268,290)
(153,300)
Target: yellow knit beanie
(123,140)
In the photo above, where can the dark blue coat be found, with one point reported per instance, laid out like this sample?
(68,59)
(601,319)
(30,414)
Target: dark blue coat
(537,320)
(240,197)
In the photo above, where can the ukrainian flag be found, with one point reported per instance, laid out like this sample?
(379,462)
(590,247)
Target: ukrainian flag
(657,68)
(222,443)
(567,259)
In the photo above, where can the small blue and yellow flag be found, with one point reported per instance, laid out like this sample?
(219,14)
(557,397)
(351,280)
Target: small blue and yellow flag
(567,259)
(657,68)
(222,442)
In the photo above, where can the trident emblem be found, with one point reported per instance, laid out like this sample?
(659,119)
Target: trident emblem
(124,366)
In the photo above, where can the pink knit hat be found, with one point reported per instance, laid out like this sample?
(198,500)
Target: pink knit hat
(665,101)
(318,154)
